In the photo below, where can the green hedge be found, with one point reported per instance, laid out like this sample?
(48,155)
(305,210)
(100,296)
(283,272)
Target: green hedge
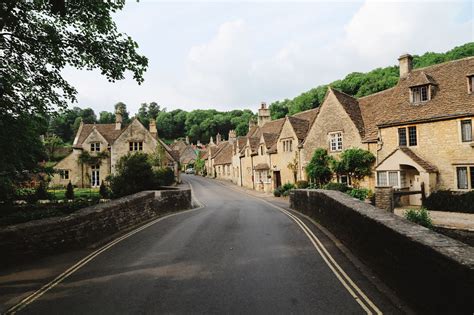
(446,200)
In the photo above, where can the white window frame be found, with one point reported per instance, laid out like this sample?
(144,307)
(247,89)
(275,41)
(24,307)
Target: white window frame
(469,179)
(64,174)
(95,146)
(95,176)
(418,91)
(335,141)
(386,175)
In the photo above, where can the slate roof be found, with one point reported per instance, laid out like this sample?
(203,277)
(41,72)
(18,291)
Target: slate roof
(106,130)
(261,167)
(427,166)
(351,106)
(300,126)
(224,156)
(450,98)
(188,155)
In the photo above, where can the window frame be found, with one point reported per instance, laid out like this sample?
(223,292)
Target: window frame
(64,174)
(336,140)
(469,177)
(135,146)
(419,91)
(470,84)
(386,175)
(95,146)
(410,143)
(95,179)
(463,139)
(404,129)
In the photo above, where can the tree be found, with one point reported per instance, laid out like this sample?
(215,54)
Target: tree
(293,166)
(122,108)
(355,163)
(52,143)
(38,39)
(69,191)
(318,169)
(106,117)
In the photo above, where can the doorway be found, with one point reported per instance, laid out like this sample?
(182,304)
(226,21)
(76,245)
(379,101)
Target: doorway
(277,179)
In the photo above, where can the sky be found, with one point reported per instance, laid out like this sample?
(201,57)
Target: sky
(233,55)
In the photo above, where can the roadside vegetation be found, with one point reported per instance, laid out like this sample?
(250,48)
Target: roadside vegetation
(419,216)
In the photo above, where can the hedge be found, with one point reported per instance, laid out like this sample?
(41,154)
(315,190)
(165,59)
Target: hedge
(446,200)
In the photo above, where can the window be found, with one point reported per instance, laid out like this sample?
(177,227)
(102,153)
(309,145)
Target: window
(64,174)
(95,176)
(261,150)
(420,94)
(287,145)
(382,179)
(95,147)
(465,177)
(466,130)
(412,141)
(470,83)
(402,137)
(394,179)
(335,141)
(136,146)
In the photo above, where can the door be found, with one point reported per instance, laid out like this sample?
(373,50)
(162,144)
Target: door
(277,179)
(95,176)
(415,200)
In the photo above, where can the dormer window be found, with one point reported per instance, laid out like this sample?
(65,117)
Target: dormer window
(420,94)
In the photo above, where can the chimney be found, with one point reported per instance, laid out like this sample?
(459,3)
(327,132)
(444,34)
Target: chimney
(232,136)
(118,120)
(211,141)
(406,65)
(263,114)
(187,140)
(152,126)
(218,138)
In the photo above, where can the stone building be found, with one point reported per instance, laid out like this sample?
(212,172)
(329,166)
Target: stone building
(420,131)
(98,147)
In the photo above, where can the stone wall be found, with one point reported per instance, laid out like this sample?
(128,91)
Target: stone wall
(432,272)
(384,198)
(89,225)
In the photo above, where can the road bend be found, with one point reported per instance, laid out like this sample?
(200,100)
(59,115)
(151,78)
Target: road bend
(236,254)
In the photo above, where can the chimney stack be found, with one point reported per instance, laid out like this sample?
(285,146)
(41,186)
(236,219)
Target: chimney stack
(187,140)
(218,138)
(232,136)
(118,119)
(152,126)
(263,114)
(406,65)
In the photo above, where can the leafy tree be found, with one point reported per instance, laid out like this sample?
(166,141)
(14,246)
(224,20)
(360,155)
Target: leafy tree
(52,143)
(69,191)
(106,117)
(133,174)
(319,168)
(122,108)
(355,163)
(104,191)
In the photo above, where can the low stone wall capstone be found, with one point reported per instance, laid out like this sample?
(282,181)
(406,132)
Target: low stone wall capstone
(432,272)
(87,226)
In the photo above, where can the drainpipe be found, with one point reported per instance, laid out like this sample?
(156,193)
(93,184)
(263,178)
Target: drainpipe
(299,163)
(253,175)
(240,171)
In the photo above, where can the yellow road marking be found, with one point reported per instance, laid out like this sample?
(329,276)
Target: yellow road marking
(37,294)
(328,259)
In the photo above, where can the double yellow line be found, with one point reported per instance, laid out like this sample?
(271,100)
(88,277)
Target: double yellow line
(37,294)
(359,296)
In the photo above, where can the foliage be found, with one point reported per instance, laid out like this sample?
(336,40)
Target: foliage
(200,164)
(148,112)
(336,186)
(293,167)
(134,173)
(41,192)
(360,193)
(164,176)
(104,191)
(362,84)
(69,191)
(420,216)
(446,200)
(86,158)
(277,192)
(302,184)
(158,157)
(318,169)
(283,190)
(355,163)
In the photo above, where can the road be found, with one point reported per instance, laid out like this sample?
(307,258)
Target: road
(236,254)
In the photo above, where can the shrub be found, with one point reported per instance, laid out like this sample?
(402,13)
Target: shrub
(133,174)
(104,191)
(302,184)
(361,193)
(318,168)
(421,217)
(41,192)
(285,193)
(69,191)
(446,200)
(277,192)
(336,186)
(164,176)
(356,163)
(287,186)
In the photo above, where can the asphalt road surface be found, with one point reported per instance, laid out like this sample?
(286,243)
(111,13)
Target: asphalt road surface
(236,254)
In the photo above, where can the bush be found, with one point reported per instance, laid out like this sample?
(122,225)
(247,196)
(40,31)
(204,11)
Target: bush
(361,193)
(336,186)
(421,217)
(287,186)
(164,176)
(133,174)
(277,192)
(104,191)
(446,200)
(285,193)
(41,192)
(318,169)
(302,184)
(69,191)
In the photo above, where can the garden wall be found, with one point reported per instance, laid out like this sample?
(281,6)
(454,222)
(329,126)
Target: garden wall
(432,272)
(87,226)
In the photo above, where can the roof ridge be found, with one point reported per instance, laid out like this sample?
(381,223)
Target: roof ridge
(442,63)
(379,92)
(341,92)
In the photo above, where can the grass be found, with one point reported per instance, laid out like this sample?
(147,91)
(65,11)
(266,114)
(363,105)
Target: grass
(78,193)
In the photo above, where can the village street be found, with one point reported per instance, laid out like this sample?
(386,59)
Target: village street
(235,254)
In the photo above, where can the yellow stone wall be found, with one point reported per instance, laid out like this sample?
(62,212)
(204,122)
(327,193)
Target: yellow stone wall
(283,158)
(439,143)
